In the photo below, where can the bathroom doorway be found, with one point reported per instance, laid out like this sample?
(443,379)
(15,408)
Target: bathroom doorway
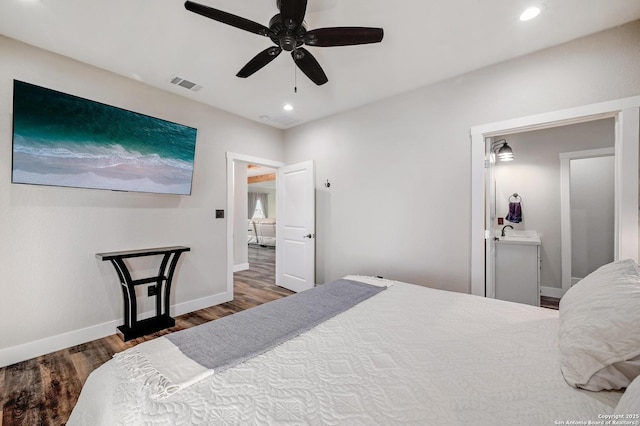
(535,175)
(626,115)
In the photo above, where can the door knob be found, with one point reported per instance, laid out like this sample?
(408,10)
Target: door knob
(308,236)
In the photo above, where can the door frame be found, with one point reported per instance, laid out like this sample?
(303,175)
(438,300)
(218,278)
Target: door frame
(565,207)
(231,163)
(626,113)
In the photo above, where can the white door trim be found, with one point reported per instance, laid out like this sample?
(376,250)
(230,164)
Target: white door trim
(565,207)
(490,212)
(627,115)
(231,159)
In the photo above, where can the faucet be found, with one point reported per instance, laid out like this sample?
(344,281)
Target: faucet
(506,226)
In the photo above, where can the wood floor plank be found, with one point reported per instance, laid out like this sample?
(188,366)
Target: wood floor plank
(2,392)
(87,357)
(61,386)
(549,302)
(24,402)
(43,390)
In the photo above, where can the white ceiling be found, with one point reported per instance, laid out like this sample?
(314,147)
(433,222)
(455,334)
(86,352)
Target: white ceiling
(425,41)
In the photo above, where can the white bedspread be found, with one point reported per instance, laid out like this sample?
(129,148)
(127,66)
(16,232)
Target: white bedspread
(408,355)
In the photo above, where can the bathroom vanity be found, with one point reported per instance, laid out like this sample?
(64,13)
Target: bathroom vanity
(517,273)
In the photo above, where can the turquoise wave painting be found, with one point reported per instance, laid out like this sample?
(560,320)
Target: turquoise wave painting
(65,140)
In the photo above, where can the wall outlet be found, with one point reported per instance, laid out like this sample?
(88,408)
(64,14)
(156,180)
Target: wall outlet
(219,214)
(500,221)
(152,290)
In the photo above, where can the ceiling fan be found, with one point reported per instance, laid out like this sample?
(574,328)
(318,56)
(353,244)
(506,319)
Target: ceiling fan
(288,31)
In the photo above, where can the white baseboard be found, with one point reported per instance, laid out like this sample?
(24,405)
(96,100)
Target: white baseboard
(240,267)
(197,304)
(47,345)
(551,292)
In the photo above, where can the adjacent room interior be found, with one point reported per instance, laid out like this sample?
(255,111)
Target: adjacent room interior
(256,258)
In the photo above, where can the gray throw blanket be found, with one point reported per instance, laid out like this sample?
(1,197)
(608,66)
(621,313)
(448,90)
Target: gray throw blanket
(230,340)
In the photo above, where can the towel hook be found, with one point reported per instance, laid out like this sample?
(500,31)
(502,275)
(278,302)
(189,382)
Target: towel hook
(516,198)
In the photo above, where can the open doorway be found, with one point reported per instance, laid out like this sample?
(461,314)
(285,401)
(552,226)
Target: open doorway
(533,180)
(238,220)
(254,229)
(295,224)
(261,226)
(625,112)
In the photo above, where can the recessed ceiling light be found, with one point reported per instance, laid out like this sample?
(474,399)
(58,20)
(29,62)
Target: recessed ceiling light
(530,13)
(288,107)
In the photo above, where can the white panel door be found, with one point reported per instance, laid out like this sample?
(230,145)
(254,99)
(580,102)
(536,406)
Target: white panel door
(295,229)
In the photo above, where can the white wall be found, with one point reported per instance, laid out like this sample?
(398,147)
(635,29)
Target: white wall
(535,176)
(399,202)
(52,283)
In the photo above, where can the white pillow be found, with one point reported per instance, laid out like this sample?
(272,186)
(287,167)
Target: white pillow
(600,328)
(629,404)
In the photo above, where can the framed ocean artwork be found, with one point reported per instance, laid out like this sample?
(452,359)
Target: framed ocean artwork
(64,140)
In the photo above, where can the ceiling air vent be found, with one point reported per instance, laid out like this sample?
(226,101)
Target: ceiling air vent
(190,85)
(283,120)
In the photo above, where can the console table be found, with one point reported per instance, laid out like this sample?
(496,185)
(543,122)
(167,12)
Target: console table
(133,328)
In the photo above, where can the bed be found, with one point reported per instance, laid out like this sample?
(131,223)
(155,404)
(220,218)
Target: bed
(404,355)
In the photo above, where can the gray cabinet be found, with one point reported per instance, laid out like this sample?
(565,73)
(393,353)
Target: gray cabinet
(518,271)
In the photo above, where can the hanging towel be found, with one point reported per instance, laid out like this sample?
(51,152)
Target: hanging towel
(515,212)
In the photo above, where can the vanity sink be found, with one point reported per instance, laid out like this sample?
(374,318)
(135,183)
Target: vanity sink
(520,237)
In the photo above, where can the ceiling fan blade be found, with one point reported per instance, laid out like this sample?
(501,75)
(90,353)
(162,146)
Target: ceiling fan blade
(228,18)
(343,36)
(292,12)
(259,61)
(309,66)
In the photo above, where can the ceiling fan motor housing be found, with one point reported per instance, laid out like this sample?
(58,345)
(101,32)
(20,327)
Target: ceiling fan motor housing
(283,36)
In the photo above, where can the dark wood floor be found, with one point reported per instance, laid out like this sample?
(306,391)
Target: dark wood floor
(44,390)
(549,302)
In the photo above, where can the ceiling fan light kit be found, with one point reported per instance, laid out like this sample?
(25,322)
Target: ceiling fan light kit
(288,32)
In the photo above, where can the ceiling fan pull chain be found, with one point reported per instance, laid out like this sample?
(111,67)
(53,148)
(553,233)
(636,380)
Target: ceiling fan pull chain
(295,72)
